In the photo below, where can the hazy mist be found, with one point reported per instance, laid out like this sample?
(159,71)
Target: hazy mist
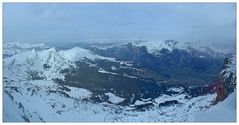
(76,22)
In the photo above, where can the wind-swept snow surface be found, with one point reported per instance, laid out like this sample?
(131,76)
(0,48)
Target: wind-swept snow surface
(224,111)
(11,113)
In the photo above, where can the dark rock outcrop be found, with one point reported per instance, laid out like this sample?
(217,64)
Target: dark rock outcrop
(226,81)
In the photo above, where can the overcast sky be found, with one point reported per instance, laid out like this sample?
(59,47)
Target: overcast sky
(76,22)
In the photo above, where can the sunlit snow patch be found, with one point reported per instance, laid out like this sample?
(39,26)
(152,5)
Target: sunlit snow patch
(179,89)
(103,71)
(113,98)
(79,93)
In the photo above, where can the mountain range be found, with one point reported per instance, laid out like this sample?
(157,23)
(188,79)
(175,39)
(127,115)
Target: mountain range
(117,81)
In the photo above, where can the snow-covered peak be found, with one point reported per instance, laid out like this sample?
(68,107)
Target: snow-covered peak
(230,68)
(78,53)
(157,45)
(27,51)
(49,61)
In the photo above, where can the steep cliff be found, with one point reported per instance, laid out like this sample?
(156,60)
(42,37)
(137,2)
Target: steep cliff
(226,81)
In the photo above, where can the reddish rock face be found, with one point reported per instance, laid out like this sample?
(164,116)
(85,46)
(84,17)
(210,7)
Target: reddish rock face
(219,91)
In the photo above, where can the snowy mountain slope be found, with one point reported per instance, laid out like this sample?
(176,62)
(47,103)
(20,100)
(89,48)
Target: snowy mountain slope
(78,53)
(47,63)
(230,68)
(10,109)
(45,101)
(224,111)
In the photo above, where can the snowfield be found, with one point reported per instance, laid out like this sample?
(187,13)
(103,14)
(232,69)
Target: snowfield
(41,101)
(223,112)
(78,53)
